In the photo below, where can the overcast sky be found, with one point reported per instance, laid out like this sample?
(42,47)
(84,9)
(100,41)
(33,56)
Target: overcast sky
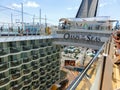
(52,9)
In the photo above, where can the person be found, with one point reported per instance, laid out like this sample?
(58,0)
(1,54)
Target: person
(21,31)
(18,29)
(116,38)
(10,28)
(1,28)
(64,25)
(116,35)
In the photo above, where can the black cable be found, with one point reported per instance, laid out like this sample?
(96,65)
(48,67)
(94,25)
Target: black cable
(16,10)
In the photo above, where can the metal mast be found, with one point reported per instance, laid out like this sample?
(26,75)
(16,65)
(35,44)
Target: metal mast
(22,14)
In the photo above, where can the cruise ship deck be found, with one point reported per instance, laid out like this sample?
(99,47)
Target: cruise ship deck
(30,56)
(102,72)
(32,62)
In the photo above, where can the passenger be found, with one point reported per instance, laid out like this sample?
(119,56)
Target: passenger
(1,28)
(18,29)
(116,37)
(117,49)
(21,31)
(64,25)
(11,29)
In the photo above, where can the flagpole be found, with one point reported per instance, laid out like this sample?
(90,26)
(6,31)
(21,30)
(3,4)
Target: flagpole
(22,16)
(40,20)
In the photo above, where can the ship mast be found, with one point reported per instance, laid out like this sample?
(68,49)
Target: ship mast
(22,14)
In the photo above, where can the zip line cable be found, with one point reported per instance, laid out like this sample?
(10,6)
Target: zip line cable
(8,8)
(15,10)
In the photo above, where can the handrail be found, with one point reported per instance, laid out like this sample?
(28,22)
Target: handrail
(103,71)
(77,80)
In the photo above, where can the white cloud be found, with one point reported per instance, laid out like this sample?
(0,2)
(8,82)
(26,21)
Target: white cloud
(31,4)
(26,4)
(14,5)
(74,8)
(69,8)
(102,4)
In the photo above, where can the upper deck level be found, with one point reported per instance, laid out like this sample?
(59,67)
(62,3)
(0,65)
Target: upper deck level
(94,23)
(86,32)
